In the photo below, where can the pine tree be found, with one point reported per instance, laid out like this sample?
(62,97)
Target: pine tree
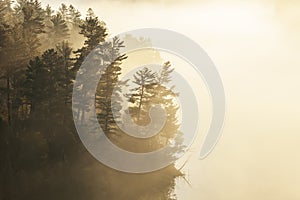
(107,84)
(65,51)
(32,22)
(48,12)
(11,53)
(95,32)
(74,17)
(145,79)
(90,13)
(63,11)
(55,68)
(165,95)
(58,31)
(152,88)
(44,83)
(36,85)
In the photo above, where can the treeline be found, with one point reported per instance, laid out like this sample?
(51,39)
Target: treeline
(41,156)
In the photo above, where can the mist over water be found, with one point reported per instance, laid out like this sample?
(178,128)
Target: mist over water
(255,46)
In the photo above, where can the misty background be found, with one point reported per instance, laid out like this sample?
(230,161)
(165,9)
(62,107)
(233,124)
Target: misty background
(255,46)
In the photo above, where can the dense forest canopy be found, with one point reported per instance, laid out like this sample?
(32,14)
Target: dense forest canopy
(41,155)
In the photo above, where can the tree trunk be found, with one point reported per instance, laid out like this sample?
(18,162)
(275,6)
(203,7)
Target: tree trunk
(8,100)
(140,104)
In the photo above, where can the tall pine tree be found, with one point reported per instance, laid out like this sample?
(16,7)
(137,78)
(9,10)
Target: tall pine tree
(94,32)
(109,83)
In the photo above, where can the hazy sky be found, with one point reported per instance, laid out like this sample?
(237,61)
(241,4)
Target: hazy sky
(255,46)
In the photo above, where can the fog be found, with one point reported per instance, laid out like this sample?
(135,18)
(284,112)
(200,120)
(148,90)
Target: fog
(255,46)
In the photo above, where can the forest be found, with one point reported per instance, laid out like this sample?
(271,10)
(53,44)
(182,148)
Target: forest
(41,155)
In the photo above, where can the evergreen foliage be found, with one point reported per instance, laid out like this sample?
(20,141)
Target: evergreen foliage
(38,140)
